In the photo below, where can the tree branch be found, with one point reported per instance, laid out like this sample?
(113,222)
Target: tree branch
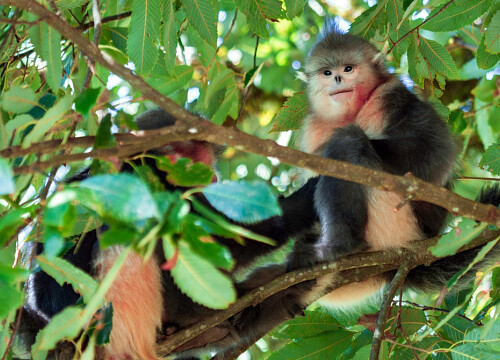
(194,127)
(353,268)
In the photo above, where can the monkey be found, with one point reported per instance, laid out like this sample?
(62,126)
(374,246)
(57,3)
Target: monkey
(144,297)
(361,113)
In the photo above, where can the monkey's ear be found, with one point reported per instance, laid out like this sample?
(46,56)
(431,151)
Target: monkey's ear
(302,76)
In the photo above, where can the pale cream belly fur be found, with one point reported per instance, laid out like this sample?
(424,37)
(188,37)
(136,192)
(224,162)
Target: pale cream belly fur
(386,228)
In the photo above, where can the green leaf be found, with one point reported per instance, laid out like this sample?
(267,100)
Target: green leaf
(195,232)
(243,202)
(104,138)
(313,323)
(185,172)
(147,175)
(456,15)
(19,122)
(454,330)
(65,325)
(492,34)
(116,236)
(292,113)
(167,84)
(328,345)
(202,15)
(6,178)
(257,11)
(175,208)
(51,117)
(10,299)
(18,100)
(491,159)
(466,231)
(53,241)
(480,256)
(47,44)
(483,128)
(170,30)
(485,60)
(66,273)
(438,57)
(412,320)
(11,221)
(70,4)
(143,34)
(59,215)
(294,8)
(86,100)
(119,197)
(199,279)
(397,30)
(366,24)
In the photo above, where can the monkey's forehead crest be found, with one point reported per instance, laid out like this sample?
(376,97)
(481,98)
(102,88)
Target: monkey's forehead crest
(335,49)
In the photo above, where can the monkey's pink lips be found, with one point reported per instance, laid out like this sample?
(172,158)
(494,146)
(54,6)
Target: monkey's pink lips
(340,94)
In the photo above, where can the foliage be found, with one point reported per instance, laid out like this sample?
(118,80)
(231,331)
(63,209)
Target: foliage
(235,62)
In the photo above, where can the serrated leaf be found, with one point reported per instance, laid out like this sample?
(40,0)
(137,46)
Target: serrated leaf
(324,346)
(243,202)
(86,100)
(64,325)
(294,8)
(292,113)
(170,29)
(257,11)
(119,197)
(18,100)
(412,320)
(66,273)
(203,17)
(313,323)
(11,221)
(397,28)
(456,15)
(492,34)
(199,279)
(47,44)
(59,215)
(167,84)
(365,25)
(116,236)
(438,57)
(6,178)
(185,172)
(485,60)
(491,159)
(455,329)
(466,231)
(51,117)
(143,34)
(69,4)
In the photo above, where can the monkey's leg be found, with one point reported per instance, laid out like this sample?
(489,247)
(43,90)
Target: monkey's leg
(342,205)
(136,295)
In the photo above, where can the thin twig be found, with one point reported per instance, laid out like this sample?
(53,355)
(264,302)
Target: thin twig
(97,36)
(396,283)
(419,26)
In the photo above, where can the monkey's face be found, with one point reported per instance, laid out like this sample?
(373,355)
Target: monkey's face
(338,92)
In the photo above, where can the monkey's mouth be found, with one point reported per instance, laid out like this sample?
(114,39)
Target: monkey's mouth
(338,92)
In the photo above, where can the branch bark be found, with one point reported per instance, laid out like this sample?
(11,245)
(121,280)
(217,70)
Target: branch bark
(353,268)
(194,127)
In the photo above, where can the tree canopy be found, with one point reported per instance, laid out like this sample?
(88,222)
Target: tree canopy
(75,73)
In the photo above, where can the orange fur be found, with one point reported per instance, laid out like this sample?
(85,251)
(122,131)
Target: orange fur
(137,306)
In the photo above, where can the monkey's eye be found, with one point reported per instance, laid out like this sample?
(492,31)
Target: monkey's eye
(348,69)
(327,72)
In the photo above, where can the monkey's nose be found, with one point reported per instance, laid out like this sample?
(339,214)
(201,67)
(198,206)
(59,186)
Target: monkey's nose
(338,79)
